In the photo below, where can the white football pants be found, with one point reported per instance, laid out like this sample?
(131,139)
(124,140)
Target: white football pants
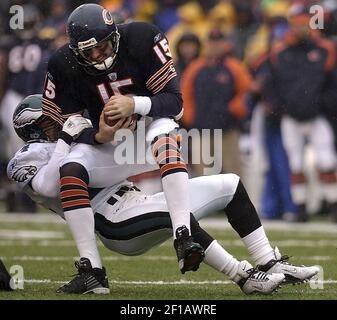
(137,222)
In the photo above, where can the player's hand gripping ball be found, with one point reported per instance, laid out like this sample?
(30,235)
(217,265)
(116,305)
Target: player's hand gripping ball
(111,123)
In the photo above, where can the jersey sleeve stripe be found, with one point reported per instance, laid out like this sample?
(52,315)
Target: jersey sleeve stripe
(51,104)
(164,83)
(160,79)
(50,112)
(159,72)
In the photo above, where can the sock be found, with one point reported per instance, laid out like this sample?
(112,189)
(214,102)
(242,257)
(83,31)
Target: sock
(78,212)
(175,189)
(82,226)
(219,259)
(258,246)
(174,179)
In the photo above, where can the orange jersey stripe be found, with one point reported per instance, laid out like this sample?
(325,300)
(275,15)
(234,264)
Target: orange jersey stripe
(52,116)
(161,78)
(162,69)
(52,104)
(164,83)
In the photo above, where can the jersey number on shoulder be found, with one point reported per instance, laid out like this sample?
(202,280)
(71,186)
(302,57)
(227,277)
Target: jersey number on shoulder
(115,87)
(24,58)
(163,51)
(49,90)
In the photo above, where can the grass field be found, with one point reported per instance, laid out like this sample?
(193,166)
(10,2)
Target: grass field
(42,245)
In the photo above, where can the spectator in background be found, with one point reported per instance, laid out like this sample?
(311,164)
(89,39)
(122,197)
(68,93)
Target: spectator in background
(245,26)
(23,65)
(330,19)
(277,201)
(58,14)
(188,49)
(301,70)
(167,15)
(273,12)
(191,20)
(222,17)
(214,88)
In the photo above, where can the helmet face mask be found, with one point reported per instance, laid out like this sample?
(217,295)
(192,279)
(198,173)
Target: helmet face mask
(108,49)
(27,119)
(94,38)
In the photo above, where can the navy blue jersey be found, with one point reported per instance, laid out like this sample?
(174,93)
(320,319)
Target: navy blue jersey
(27,64)
(143,67)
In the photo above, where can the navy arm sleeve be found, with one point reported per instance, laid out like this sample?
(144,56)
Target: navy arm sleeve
(160,75)
(59,99)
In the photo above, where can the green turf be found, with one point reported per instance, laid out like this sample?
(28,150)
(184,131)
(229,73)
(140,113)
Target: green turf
(147,268)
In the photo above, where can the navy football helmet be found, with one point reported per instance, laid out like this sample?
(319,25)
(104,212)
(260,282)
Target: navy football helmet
(91,26)
(27,117)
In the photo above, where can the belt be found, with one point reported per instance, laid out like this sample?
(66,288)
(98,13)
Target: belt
(112,200)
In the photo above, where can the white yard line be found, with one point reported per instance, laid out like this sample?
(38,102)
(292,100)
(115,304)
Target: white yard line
(160,283)
(31,218)
(42,243)
(30,234)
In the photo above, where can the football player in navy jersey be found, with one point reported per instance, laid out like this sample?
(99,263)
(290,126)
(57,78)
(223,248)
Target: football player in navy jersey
(113,72)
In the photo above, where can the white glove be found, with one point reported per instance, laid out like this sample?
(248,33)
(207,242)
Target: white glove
(73,127)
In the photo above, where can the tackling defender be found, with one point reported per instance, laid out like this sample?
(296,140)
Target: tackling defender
(130,222)
(122,71)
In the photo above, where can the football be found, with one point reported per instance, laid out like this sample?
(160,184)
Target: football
(111,123)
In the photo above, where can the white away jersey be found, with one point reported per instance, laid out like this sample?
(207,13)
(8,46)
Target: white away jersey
(28,161)
(25,165)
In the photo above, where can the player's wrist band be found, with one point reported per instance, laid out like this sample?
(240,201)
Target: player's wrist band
(142,105)
(67,138)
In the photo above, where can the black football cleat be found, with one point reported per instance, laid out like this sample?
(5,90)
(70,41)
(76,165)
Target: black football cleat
(190,254)
(88,280)
(5,278)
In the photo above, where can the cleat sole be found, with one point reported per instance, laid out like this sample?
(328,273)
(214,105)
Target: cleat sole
(193,260)
(98,291)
